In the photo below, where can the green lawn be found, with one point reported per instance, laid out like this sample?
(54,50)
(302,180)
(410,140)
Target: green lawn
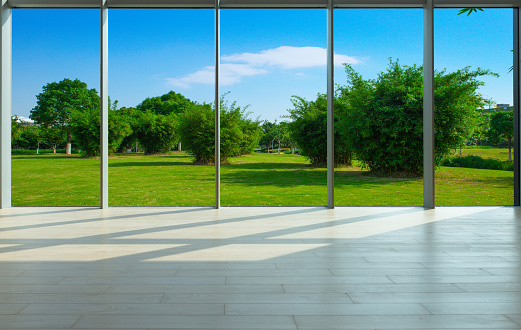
(484,152)
(252,180)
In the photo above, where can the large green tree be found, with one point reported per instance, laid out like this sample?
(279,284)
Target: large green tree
(239,134)
(309,130)
(156,133)
(169,103)
(59,102)
(502,129)
(384,120)
(86,131)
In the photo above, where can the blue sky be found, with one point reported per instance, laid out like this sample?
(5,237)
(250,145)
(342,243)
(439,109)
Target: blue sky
(267,55)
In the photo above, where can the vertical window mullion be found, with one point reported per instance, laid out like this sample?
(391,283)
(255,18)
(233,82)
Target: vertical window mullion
(217,108)
(428,105)
(104,152)
(5,105)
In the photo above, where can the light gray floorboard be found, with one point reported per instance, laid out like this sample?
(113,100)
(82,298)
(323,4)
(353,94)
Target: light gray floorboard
(260,268)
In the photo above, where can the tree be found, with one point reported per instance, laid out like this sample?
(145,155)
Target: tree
(60,101)
(239,134)
(86,130)
(502,128)
(196,128)
(170,103)
(280,133)
(384,121)
(53,137)
(156,133)
(267,134)
(16,130)
(34,134)
(309,130)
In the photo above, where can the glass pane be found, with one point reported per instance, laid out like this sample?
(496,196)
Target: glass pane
(378,107)
(55,107)
(273,64)
(473,107)
(161,64)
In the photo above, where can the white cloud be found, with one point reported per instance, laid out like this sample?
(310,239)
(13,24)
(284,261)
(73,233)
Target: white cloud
(230,74)
(236,66)
(288,57)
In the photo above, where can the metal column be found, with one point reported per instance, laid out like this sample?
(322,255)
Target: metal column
(330,109)
(5,106)
(104,129)
(517,133)
(428,105)
(217,107)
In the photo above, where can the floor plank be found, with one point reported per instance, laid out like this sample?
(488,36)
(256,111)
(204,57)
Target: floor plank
(260,268)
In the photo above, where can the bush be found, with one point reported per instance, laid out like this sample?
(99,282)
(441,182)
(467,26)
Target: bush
(86,131)
(239,134)
(156,133)
(477,162)
(196,130)
(309,130)
(384,118)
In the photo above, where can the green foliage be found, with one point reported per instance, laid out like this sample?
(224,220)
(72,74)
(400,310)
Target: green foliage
(501,127)
(60,101)
(170,103)
(239,134)
(16,130)
(309,130)
(384,119)
(196,130)
(86,131)
(156,133)
(477,162)
(469,11)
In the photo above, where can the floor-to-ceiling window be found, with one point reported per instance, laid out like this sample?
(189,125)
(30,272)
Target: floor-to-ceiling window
(273,81)
(161,87)
(474,107)
(55,107)
(378,107)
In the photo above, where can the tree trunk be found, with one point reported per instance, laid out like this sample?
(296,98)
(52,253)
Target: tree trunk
(279,148)
(292,149)
(54,148)
(37,148)
(460,151)
(68,147)
(510,149)
(179,146)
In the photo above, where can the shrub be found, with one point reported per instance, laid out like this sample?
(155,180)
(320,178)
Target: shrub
(86,131)
(309,130)
(156,133)
(239,134)
(384,119)
(477,162)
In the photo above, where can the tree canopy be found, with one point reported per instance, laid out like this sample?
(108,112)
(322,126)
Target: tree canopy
(502,129)
(59,102)
(169,103)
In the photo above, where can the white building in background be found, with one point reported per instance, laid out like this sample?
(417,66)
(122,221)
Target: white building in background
(24,120)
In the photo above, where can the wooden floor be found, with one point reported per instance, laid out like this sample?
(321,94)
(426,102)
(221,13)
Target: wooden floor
(260,268)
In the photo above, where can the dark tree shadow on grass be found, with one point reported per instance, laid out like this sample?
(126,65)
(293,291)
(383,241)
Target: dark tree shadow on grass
(302,177)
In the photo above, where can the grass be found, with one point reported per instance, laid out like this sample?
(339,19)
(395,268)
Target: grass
(485,152)
(252,180)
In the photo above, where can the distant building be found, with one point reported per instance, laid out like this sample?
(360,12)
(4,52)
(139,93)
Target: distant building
(502,106)
(24,120)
